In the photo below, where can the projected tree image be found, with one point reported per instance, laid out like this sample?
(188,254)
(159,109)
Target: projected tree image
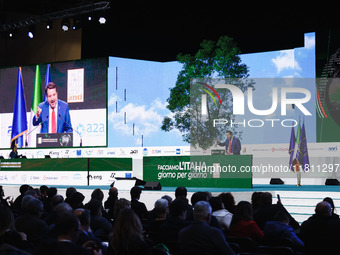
(214,60)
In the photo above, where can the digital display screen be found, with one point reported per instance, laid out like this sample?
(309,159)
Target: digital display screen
(82,87)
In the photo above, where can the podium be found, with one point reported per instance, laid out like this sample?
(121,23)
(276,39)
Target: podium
(56,140)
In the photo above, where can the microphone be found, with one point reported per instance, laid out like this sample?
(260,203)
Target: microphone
(81,140)
(39,125)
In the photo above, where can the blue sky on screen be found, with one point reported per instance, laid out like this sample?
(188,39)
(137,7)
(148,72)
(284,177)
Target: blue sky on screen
(147,86)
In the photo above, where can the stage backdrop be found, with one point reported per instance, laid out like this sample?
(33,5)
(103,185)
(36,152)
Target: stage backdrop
(199,171)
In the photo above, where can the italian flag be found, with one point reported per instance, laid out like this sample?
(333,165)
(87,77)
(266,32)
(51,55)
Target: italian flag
(36,99)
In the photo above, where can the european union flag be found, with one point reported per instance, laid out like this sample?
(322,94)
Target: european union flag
(302,152)
(19,124)
(291,148)
(47,78)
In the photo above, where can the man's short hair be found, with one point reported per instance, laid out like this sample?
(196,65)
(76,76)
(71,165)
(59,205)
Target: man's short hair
(202,210)
(51,85)
(135,192)
(181,192)
(228,131)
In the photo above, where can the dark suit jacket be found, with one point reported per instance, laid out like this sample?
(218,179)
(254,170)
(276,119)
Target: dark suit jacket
(139,208)
(67,248)
(235,145)
(321,234)
(200,238)
(63,111)
(36,229)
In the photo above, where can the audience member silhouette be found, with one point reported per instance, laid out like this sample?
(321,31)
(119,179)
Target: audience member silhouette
(30,222)
(100,226)
(321,232)
(199,237)
(222,215)
(138,207)
(266,211)
(243,224)
(331,202)
(69,192)
(279,228)
(168,232)
(109,204)
(76,200)
(228,201)
(128,235)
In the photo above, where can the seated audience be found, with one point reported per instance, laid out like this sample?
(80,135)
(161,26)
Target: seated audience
(243,224)
(138,207)
(69,192)
(228,201)
(266,211)
(30,222)
(202,196)
(85,233)
(168,232)
(100,226)
(8,234)
(222,215)
(16,207)
(128,235)
(109,204)
(199,237)
(331,202)
(279,228)
(162,211)
(4,201)
(321,232)
(76,200)
(67,229)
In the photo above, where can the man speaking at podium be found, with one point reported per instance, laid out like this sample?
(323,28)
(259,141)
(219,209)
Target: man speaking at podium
(53,114)
(232,144)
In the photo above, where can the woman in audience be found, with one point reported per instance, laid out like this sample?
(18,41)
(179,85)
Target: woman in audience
(222,215)
(243,224)
(128,235)
(228,201)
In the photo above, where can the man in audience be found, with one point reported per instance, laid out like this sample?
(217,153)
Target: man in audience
(321,232)
(138,207)
(100,226)
(67,229)
(109,204)
(176,221)
(16,207)
(199,237)
(266,211)
(30,223)
(279,228)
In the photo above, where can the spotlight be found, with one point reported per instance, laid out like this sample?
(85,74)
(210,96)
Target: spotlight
(76,24)
(102,20)
(31,32)
(65,24)
(11,34)
(49,25)
(89,18)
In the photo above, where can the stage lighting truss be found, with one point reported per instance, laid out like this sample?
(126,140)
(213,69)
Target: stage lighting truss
(68,13)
